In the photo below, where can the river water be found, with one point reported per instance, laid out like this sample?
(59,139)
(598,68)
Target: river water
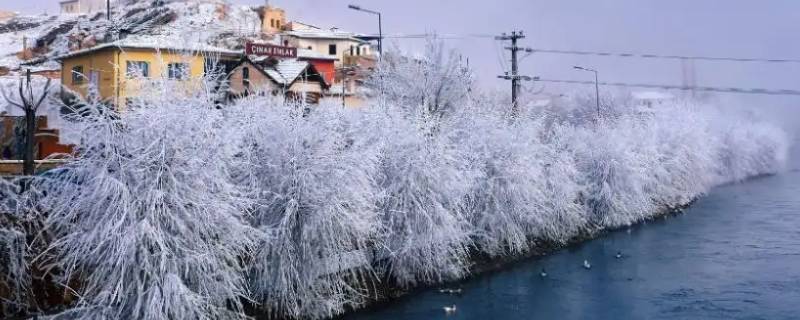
(735,254)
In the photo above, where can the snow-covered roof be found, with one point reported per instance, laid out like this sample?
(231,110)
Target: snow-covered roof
(285,72)
(323,34)
(155,43)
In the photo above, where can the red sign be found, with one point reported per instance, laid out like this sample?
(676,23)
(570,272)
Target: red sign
(270,50)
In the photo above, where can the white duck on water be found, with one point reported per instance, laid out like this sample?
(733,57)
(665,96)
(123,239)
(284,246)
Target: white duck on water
(586,264)
(450,309)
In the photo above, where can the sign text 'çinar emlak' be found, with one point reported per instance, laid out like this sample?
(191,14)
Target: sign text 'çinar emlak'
(270,50)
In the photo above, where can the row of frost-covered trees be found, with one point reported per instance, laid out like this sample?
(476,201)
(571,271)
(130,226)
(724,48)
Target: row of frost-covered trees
(178,208)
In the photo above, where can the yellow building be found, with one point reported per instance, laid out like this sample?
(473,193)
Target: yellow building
(115,69)
(273,19)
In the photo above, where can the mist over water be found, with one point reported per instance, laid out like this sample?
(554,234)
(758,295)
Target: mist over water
(732,255)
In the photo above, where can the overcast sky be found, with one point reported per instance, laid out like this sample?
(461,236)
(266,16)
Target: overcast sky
(737,28)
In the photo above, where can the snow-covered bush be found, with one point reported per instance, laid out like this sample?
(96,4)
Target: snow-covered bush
(424,180)
(526,189)
(149,223)
(748,148)
(15,279)
(314,190)
(434,84)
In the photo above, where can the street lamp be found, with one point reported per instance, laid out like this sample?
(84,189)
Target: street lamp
(596,87)
(380,27)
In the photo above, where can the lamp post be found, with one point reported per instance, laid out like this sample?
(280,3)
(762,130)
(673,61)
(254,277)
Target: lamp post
(380,27)
(596,87)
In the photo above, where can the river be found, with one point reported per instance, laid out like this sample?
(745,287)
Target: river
(735,254)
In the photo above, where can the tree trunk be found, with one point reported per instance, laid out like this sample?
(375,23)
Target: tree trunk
(28,165)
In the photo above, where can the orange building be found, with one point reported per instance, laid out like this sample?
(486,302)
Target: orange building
(12,139)
(324,64)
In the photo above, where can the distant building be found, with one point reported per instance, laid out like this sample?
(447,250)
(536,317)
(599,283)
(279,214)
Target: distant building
(652,99)
(293,78)
(273,19)
(325,64)
(115,68)
(12,139)
(83,6)
(6,16)
(332,43)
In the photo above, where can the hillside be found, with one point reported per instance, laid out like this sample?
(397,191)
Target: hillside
(47,36)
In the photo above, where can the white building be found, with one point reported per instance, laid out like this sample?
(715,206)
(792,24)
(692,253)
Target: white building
(83,6)
(340,45)
(652,98)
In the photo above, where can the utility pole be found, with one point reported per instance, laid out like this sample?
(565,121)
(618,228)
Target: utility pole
(596,86)
(108,10)
(515,77)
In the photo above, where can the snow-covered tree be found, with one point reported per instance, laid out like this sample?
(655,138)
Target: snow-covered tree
(149,223)
(432,84)
(314,193)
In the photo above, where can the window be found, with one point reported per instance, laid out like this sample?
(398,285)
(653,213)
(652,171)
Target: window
(246,77)
(137,69)
(272,23)
(285,43)
(178,71)
(77,75)
(332,49)
(358,51)
(310,48)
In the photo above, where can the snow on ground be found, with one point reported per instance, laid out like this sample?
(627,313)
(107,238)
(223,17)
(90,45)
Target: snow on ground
(182,22)
(30,27)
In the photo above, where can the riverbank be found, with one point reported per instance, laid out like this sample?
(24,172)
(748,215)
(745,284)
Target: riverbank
(729,256)
(482,264)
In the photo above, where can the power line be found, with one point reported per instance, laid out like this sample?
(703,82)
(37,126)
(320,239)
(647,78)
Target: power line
(441,36)
(662,56)
(784,92)
(596,53)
